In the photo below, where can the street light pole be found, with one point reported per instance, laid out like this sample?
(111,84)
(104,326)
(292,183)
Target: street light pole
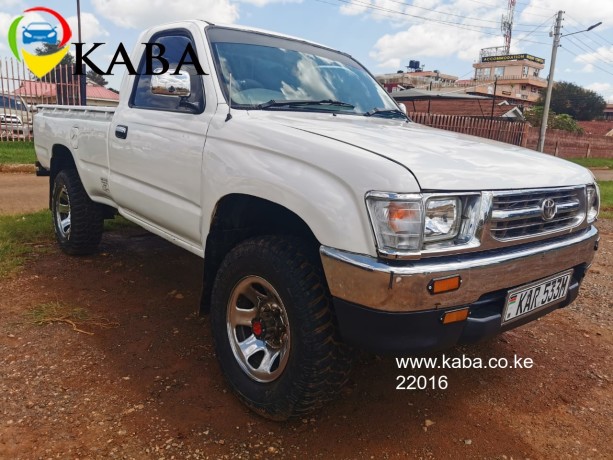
(552,66)
(82,77)
(554,52)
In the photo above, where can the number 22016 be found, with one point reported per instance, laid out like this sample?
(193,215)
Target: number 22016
(421,382)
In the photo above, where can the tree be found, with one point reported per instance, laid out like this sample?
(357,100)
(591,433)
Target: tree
(578,102)
(563,121)
(96,78)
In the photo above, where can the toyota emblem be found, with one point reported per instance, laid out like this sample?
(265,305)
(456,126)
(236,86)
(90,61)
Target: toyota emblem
(549,209)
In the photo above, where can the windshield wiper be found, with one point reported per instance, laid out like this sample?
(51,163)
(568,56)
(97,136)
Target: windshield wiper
(326,102)
(387,113)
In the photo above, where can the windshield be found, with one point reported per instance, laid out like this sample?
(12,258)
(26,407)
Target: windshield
(40,26)
(274,73)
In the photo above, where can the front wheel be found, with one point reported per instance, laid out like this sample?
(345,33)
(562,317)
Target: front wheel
(77,220)
(274,330)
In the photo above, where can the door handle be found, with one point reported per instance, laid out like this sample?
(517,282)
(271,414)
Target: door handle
(121,131)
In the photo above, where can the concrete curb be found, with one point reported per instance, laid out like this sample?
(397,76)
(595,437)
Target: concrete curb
(14,168)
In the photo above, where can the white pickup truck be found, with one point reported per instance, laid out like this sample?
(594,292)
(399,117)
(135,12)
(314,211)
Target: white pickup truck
(325,217)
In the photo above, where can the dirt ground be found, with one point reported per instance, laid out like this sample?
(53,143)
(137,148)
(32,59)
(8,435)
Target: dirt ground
(23,193)
(150,386)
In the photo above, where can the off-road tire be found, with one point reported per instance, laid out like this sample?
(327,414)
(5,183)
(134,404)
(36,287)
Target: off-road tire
(84,233)
(318,363)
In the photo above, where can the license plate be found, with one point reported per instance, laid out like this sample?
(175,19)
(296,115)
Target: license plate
(531,297)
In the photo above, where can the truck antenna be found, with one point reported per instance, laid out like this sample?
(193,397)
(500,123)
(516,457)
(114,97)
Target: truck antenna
(229,116)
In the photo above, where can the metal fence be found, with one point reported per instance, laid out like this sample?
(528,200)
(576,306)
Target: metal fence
(21,92)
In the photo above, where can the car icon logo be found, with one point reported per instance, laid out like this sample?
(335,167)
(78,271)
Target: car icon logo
(39,32)
(549,209)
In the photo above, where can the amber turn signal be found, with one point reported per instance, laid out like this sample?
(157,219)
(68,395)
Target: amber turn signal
(455,316)
(439,286)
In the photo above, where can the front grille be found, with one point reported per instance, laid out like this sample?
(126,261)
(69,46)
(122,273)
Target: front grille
(518,215)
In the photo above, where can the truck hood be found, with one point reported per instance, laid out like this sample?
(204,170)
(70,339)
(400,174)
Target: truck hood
(442,160)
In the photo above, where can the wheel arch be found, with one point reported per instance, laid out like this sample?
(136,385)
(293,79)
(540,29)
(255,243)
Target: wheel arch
(61,158)
(237,217)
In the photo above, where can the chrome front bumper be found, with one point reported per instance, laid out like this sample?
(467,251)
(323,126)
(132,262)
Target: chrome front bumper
(402,286)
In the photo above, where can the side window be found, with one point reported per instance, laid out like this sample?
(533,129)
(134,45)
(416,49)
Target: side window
(143,98)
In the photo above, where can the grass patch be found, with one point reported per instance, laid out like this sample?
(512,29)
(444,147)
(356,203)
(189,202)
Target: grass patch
(606,199)
(21,236)
(593,162)
(118,224)
(77,317)
(19,152)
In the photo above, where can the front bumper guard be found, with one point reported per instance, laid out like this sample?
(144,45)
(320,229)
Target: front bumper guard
(402,286)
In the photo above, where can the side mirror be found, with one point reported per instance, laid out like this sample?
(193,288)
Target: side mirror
(169,84)
(403,108)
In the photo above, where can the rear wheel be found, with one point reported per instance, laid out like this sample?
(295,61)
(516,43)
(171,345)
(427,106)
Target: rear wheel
(77,220)
(275,335)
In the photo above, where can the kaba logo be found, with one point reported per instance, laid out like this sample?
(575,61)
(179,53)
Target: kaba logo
(154,52)
(36,31)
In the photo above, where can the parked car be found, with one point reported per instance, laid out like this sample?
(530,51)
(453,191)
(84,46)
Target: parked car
(326,219)
(39,32)
(16,118)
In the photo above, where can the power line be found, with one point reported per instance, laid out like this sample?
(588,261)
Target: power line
(470,27)
(593,33)
(536,28)
(453,14)
(589,49)
(586,61)
(502,8)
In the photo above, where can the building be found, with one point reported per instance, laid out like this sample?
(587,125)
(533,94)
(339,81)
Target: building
(420,78)
(608,112)
(455,103)
(515,77)
(38,92)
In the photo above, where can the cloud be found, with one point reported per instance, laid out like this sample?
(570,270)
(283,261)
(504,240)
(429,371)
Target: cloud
(596,59)
(90,27)
(139,14)
(9,3)
(268,2)
(585,12)
(601,88)
(429,28)
(429,40)
(605,89)
(354,8)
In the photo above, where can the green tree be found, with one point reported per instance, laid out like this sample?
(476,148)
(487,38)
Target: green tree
(96,78)
(578,102)
(563,121)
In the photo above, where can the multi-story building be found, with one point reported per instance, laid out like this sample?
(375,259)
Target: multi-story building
(515,77)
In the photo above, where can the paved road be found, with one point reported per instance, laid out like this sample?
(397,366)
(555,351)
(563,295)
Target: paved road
(603,174)
(22,193)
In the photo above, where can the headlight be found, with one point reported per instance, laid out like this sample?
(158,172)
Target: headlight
(405,224)
(50,34)
(442,219)
(593,202)
(397,221)
(27,34)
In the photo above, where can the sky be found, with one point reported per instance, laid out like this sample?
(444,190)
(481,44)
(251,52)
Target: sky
(444,35)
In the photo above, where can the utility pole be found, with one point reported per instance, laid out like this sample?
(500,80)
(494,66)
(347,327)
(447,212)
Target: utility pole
(494,98)
(82,77)
(554,53)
